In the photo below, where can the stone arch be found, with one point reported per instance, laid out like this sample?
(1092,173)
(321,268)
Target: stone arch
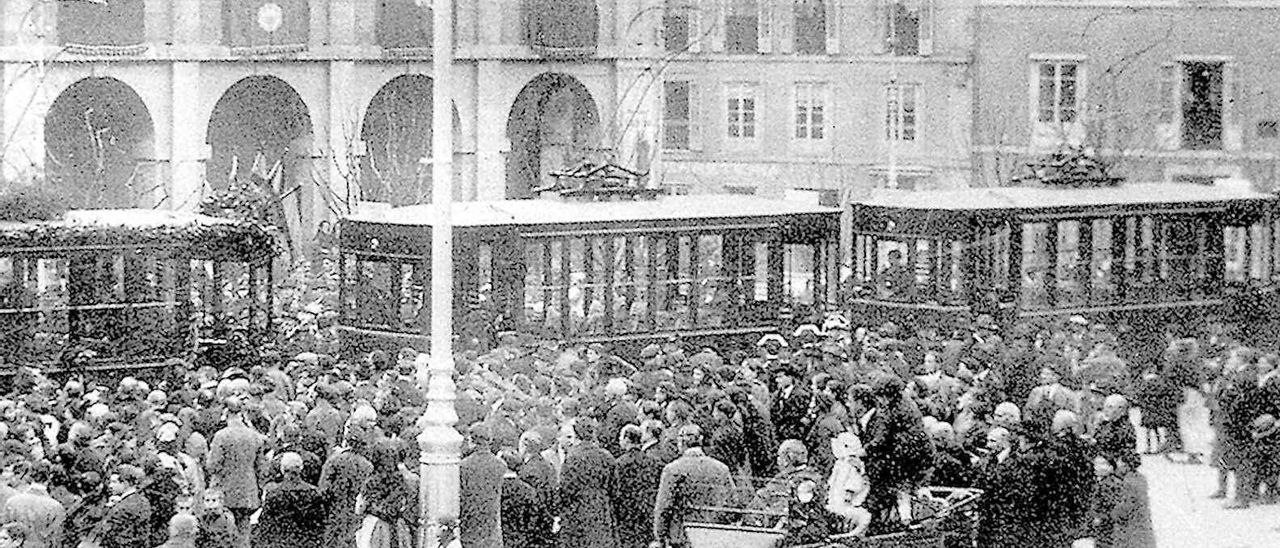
(554,123)
(396,132)
(260,136)
(99,138)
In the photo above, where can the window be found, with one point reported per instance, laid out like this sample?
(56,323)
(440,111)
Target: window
(1202,106)
(1059,101)
(115,24)
(810,27)
(907,27)
(403,24)
(1268,129)
(741,27)
(741,111)
(900,112)
(676,115)
(811,111)
(678,20)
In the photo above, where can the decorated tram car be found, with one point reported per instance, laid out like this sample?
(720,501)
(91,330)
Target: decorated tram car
(640,265)
(1146,256)
(623,270)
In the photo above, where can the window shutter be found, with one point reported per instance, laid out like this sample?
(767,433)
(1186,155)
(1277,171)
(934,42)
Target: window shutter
(1231,130)
(884,22)
(833,26)
(927,13)
(695,116)
(764,26)
(717,14)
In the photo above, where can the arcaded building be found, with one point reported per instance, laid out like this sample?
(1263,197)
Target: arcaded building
(326,103)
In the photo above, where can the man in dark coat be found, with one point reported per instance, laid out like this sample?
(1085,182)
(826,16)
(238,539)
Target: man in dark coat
(790,409)
(588,487)
(292,510)
(536,471)
(480,493)
(1115,436)
(236,461)
(341,480)
(128,521)
(694,480)
(899,453)
(1006,481)
(638,477)
(619,413)
(525,520)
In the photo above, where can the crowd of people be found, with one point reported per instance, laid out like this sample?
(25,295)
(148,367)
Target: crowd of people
(830,429)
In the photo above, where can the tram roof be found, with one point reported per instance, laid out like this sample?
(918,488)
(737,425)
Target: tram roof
(554,212)
(1029,198)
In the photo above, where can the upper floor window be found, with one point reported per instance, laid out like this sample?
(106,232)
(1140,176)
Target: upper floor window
(403,24)
(680,26)
(1202,105)
(908,27)
(562,27)
(679,129)
(273,25)
(742,27)
(741,108)
(810,32)
(811,111)
(101,23)
(1058,91)
(900,112)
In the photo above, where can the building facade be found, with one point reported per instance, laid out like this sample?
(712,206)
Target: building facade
(1165,90)
(325,104)
(770,96)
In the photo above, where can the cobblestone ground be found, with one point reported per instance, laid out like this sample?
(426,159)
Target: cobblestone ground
(1182,512)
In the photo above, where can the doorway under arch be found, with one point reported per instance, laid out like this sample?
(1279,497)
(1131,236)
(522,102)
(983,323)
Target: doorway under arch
(98,139)
(553,124)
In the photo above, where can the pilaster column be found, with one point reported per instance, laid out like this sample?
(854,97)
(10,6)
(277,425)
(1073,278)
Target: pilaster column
(187,148)
(492,145)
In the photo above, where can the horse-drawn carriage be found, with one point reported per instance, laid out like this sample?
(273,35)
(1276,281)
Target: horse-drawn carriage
(944,517)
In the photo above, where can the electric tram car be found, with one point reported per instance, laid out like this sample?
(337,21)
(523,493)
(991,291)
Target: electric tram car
(623,270)
(1145,255)
(635,266)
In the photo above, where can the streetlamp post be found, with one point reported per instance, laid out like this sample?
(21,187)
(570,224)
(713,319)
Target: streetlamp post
(440,445)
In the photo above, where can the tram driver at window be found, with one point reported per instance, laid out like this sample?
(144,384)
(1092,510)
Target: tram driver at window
(896,281)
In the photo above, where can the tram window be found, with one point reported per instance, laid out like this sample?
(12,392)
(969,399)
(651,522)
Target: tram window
(894,278)
(1069,268)
(1234,250)
(761,271)
(1178,252)
(534,299)
(713,294)
(798,282)
(484,273)
(1146,250)
(555,283)
(1103,282)
(1035,264)
(579,266)
(659,277)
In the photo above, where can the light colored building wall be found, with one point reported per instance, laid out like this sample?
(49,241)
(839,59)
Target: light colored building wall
(1127,53)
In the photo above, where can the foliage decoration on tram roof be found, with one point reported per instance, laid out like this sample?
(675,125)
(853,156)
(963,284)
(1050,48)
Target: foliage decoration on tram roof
(203,236)
(592,180)
(1069,166)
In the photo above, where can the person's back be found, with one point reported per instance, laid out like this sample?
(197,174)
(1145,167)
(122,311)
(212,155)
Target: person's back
(182,531)
(690,487)
(480,492)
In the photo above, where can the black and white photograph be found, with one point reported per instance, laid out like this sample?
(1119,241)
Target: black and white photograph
(639,274)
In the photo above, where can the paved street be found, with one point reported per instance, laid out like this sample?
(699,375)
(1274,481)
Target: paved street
(1185,517)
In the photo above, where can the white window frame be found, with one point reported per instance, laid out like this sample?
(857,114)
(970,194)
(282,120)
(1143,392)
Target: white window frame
(1052,134)
(741,92)
(901,124)
(805,97)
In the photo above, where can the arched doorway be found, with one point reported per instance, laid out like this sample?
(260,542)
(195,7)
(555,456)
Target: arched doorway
(553,124)
(397,137)
(98,135)
(260,135)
